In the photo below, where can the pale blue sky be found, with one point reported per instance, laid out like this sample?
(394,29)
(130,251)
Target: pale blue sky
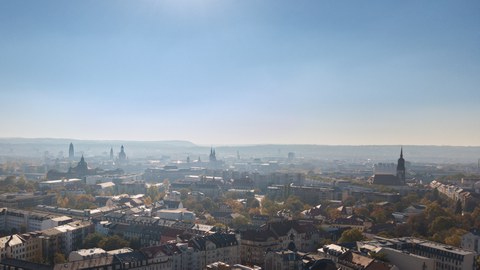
(242,72)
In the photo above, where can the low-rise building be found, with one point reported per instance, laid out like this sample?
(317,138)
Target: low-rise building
(27,221)
(177,214)
(471,241)
(84,254)
(25,200)
(422,252)
(277,236)
(195,253)
(283,260)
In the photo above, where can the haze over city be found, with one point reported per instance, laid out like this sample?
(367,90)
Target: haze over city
(239,135)
(242,72)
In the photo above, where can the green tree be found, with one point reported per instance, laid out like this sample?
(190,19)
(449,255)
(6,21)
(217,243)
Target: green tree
(379,256)
(93,240)
(269,207)
(239,221)
(9,180)
(113,242)
(294,204)
(21,183)
(433,211)
(418,225)
(441,223)
(350,236)
(209,204)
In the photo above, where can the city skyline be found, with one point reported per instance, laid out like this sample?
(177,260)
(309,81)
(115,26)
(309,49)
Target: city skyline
(242,72)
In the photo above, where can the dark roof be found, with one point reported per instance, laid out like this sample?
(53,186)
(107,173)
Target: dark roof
(25,264)
(386,179)
(281,228)
(216,215)
(347,221)
(168,249)
(219,239)
(93,263)
(257,235)
(133,256)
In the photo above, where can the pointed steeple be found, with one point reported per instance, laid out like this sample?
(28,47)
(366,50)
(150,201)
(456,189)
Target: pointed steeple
(401,168)
(212,156)
(71,151)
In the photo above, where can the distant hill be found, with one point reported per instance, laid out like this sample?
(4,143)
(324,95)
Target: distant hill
(23,147)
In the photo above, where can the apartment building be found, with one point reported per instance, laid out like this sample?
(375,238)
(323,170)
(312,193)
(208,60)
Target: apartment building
(28,221)
(444,257)
(302,236)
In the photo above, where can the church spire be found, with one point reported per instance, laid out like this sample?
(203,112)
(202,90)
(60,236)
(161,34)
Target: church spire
(71,152)
(401,168)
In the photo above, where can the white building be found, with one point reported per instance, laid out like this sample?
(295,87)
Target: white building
(84,254)
(177,214)
(29,221)
(412,252)
(471,241)
(60,183)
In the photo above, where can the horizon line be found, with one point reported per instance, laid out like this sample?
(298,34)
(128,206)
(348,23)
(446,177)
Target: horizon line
(232,145)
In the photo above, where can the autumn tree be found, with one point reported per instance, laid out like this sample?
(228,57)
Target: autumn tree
(350,236)
(269,207)
(294,204)
(154,193)
(59,258)
(239,221)
(441,223)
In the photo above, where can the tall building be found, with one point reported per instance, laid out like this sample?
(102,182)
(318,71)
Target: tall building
(71,152)
(122,156)
(111,153)
(401,168)
(212,156)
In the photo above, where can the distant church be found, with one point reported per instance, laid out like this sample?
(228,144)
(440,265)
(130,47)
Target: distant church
(122,157)
(81,170)
(71,152)
(391,179)
(213,156)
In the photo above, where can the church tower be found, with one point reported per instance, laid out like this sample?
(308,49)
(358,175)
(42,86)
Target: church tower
(71,152)
(122,156)
(401,168)
(212,156)
(82,167)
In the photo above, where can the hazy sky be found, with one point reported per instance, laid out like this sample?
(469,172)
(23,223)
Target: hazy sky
(242,72)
